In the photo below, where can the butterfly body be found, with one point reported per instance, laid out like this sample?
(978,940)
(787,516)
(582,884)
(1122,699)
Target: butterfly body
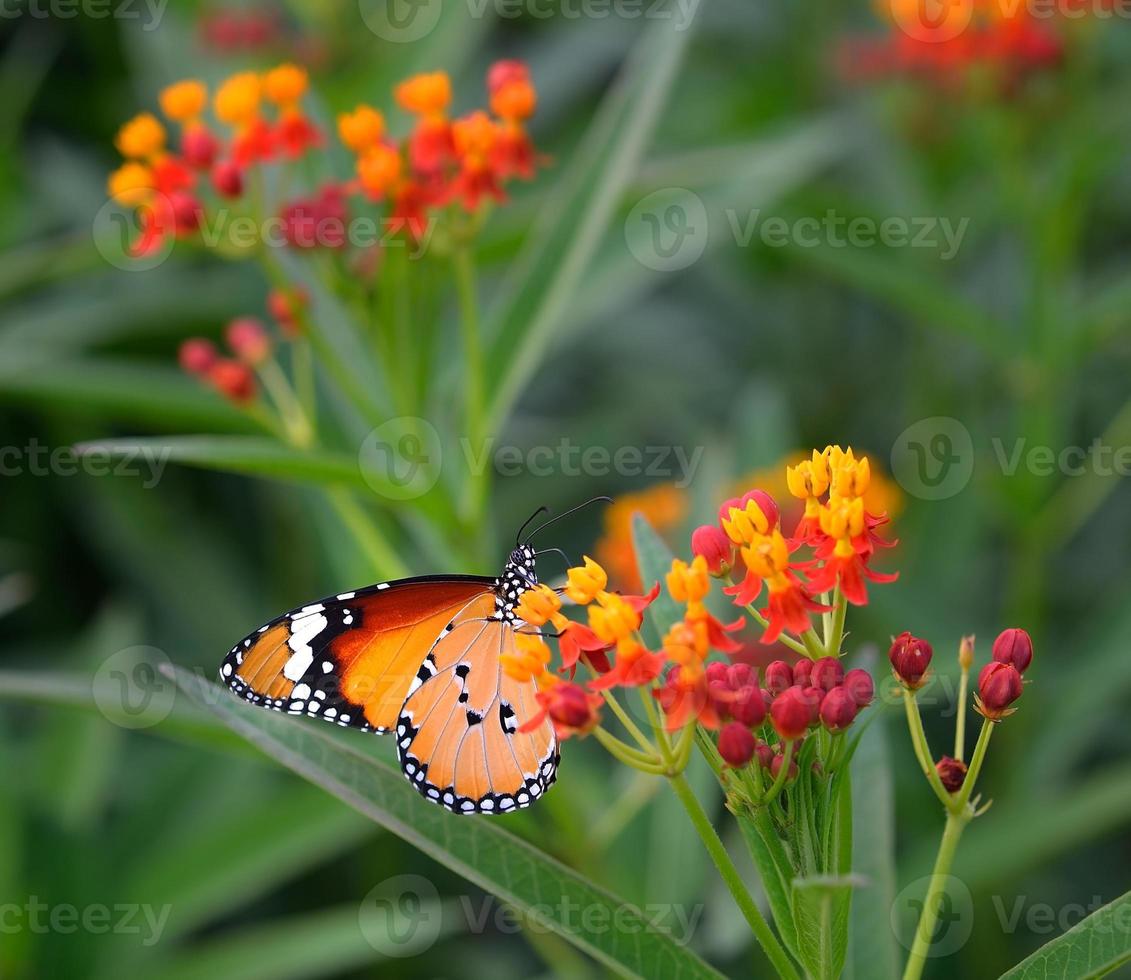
(419,656)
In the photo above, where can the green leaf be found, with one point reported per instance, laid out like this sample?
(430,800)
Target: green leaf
(654,561)
(476,848)
(160,396)
(820,908)
(548,276)
(872,951)
(1095,947)
(774,869)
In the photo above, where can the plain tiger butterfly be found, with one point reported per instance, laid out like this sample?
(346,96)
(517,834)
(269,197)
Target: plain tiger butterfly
(418,657)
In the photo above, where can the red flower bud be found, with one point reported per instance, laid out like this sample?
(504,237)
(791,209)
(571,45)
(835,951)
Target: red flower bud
(571,706)
(739,676)
(813,698)
(838,709)
(791,713)
(736,744)
(910,657)
(803,672)
(1014,646)
(765,502)
(999,685)
(952,772)
(285,305)
(748,707)
(779,676)
(716,670)
(185,210)
(858,683)
(196,355)
(826,673)
(764,753)
(248,340)
(199,147)
(776,764)
(235,381)
(709,542)
(227,178)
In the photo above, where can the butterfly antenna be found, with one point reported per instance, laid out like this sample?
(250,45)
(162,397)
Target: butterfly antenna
(565,513)
(541,510)
(554,551)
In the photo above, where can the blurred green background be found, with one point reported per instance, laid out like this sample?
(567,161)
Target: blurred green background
(942,367)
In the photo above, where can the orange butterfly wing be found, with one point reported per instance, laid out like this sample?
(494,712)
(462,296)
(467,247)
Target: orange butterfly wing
(457,734)
(350,659)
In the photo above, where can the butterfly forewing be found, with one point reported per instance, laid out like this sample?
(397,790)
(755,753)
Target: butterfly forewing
(457,735)
(352,658)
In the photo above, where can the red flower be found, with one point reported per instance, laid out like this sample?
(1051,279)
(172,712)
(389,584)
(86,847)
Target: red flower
(791,713)
(999,685)
(789,609)
(317,221)
(1014,646)
(294,134)
(838,709)
(714,547)
(633,666)
(952,773)
(736,745)
(859,684)
(197,355)
(572,709)
(577,641)
(910,657)
(234,380)
(684,697)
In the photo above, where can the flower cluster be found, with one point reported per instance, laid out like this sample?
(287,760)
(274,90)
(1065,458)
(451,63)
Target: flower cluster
(1003,40)
(258,118)
(827,554)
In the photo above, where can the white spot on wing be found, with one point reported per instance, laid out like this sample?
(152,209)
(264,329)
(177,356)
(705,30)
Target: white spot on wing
(304,631)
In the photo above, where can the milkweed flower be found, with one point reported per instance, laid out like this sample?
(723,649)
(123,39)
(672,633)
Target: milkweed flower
(572,709)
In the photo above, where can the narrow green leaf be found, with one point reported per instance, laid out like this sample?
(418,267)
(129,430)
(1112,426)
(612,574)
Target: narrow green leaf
(872,951)
(1095,947)
(820,908)
(548,276)
(774,869)
(476,848)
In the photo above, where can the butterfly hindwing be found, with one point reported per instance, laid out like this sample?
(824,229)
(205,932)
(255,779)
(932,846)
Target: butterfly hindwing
(457,735)
(351,658)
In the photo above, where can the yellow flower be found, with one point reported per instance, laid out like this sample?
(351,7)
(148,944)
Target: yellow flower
(743,526)
(131,184)
(540,605)
(529,659)
(689,583)
(184,101)
(843,518)
(141,137)
(767,556)
(613,619)
(361,129)
(427,94)
(285,84)
(379,169)
(236,101)
(586,582)
(809,478)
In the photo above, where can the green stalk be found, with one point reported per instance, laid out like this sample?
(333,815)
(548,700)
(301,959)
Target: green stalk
(922,750)
(627,754)
(955,824)
(369,536)
(835,635)
(960,717)
(762,932)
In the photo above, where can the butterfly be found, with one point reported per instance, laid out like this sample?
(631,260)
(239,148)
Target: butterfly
(418,657)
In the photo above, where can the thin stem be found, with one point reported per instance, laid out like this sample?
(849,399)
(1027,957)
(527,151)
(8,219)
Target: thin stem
(835,636)
(663,742)
(813,647)
(629,725)
(976,761)
(782,776)
(922,749)
(627,754)
(928,918)
(960,716)
(294,418)
(762,932)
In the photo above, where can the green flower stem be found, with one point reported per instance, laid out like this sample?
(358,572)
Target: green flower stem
(761,928)
(835,635)
(783,775)
(814,649)
(662,741)
(299,431)
(960,716)
(303,363)
(629,725)
(473,367)
(922,750)
(979,756)
(628,755)
(955,823)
